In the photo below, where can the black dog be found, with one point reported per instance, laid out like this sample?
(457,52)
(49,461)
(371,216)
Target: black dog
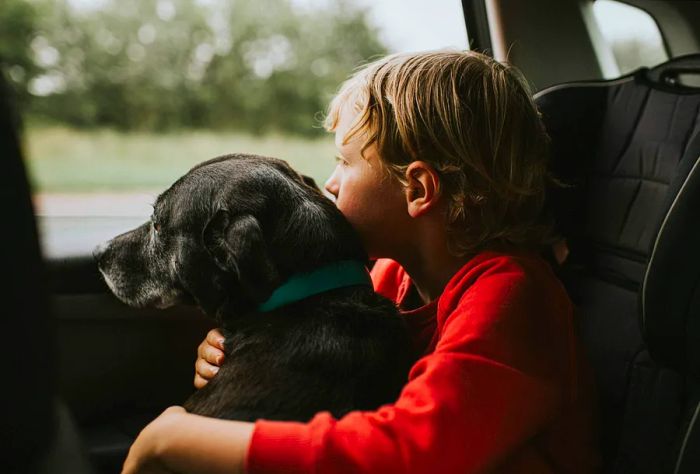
(226,236)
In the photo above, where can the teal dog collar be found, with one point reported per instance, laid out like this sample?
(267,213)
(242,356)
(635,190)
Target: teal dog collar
(329,277)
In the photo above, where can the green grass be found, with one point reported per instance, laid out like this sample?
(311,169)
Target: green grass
(68,160)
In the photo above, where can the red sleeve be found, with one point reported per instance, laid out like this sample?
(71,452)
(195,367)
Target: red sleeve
(389,279)
(495,379)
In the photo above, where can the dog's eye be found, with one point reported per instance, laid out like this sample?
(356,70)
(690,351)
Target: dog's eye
(156,226)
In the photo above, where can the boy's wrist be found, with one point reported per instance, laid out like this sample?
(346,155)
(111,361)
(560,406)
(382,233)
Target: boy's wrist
(184,442)
(168,436)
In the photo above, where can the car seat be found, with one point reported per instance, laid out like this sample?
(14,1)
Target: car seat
(626,152)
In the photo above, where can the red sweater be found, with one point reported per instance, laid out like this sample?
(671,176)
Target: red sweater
(501,386)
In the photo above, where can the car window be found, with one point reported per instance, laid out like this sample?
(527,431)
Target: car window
(628,39)
(121,97)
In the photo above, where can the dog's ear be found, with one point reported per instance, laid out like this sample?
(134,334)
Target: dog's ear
(238,247)
(309,181)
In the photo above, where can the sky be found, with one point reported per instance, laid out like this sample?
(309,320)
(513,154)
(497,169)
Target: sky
(412,25)
(415,25)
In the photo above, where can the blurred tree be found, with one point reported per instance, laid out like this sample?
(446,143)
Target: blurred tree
(17,28)
(121,65)
(286,62)
(255,65)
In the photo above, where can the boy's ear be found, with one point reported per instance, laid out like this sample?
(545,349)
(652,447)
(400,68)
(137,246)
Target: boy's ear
(423,188)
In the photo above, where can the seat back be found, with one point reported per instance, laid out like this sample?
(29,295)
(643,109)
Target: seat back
(627,152)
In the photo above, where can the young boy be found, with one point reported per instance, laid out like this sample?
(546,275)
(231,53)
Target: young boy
(441,170)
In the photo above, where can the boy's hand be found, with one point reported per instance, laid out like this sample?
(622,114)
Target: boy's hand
(210,356)
(178,442)
(143,456)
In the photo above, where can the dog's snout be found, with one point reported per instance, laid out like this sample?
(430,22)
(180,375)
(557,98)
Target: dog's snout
(99,251)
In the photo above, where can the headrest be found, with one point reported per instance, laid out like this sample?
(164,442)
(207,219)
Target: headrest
(627,151)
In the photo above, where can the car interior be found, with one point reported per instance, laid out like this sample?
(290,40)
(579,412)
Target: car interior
(630,181)
(87,373)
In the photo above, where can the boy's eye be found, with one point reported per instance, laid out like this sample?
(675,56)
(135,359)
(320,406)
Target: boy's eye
(341,160)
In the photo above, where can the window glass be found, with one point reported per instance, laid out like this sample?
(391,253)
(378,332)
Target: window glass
(631,34)
(121,97)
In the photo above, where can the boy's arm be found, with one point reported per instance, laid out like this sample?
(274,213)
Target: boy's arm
(489,414)
(178,442)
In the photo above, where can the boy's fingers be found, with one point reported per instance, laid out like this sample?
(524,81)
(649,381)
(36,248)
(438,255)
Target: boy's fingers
(215,338)
(212,355)
(205,369)
(199,382)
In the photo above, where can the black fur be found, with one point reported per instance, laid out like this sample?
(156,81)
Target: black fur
(228,233)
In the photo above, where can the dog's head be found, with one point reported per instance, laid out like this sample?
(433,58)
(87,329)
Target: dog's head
(225,235)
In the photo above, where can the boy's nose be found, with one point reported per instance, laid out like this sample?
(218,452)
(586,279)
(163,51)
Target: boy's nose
(331,187)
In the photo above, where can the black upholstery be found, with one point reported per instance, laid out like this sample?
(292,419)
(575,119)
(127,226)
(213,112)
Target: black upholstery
(627,152)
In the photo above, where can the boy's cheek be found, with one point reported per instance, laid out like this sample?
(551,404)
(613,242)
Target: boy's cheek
(354,214)
(344,207)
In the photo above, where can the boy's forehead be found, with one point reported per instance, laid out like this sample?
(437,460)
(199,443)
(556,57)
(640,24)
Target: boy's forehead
(345,142)
(346,120)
